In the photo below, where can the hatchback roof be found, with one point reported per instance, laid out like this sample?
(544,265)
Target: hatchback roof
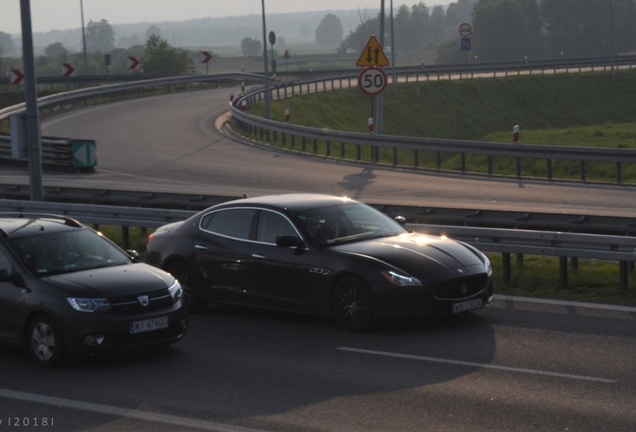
(15,225)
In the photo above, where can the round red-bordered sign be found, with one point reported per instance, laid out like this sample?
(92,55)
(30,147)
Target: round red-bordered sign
(372,80)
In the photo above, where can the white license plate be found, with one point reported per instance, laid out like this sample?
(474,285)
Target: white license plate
(148,325)
(467,306)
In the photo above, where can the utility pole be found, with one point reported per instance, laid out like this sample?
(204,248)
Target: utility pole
(32,117)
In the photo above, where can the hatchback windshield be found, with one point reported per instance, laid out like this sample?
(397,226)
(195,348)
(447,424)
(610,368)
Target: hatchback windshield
(346,223)
(68,251)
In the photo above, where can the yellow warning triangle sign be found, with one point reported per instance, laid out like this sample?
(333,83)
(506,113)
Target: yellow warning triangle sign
(372,54)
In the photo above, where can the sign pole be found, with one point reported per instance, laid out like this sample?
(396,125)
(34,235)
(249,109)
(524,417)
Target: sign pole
(380,107)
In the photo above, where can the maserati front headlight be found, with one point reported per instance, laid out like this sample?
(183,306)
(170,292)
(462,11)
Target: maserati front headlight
(400,280)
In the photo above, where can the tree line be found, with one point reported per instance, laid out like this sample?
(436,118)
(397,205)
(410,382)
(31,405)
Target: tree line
(502,30)
(507,30)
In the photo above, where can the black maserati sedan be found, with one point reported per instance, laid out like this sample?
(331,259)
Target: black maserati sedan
(66,290)
(321,255)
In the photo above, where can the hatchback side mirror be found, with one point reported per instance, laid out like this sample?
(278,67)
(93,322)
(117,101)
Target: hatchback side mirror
(133,254)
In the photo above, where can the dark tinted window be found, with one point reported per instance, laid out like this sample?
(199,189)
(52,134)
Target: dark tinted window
(231,222)
(272,225)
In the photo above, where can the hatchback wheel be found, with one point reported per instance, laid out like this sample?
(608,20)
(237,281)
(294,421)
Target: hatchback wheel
(45,341)
(182,271)
(352,304)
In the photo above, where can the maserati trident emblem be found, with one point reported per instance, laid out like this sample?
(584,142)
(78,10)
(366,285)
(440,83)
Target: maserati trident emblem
(464,288)
(144,301)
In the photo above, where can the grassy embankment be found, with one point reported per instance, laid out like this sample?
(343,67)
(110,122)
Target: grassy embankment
(571,110)
(589,110)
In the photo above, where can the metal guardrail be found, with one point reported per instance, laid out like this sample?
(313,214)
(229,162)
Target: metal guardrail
(420,214)
(80,95)
(505,241)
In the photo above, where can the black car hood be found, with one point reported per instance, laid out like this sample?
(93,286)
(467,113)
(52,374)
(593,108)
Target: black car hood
(128,279)
(416,253)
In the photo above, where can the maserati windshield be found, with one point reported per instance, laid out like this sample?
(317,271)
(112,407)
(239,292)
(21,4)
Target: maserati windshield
(346,223)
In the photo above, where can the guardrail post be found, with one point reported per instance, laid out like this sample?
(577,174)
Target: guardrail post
(619,173)
(549,168)
(583,173)
(438,160)
(563,272)
(505,263)
(518,165)
(624,271)
(125,234)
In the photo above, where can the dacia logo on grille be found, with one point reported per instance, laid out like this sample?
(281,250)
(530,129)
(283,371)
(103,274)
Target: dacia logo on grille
(144,300)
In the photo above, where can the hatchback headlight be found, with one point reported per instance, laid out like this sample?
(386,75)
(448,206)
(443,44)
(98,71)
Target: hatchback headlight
(488,266)
(401,280)
(89,304)
(175,290)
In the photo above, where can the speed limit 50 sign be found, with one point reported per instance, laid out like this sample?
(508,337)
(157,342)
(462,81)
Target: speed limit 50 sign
(372,80)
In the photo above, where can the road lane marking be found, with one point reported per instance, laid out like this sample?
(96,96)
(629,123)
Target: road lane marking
(566,303)
(122,412)
(478,365)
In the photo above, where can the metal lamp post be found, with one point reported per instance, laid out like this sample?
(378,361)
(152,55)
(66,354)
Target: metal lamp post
(268,108)
(84,38)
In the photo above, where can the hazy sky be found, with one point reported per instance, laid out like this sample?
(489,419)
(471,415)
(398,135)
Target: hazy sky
(65,14)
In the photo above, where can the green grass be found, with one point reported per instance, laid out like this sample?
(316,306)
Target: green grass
(590,281)
(586,110)
(476,109)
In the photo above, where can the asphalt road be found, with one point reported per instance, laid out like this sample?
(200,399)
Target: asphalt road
(517,365)
(170,143)
(514,366)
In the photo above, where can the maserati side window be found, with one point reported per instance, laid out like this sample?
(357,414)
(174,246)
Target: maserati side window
(272,225)
(234,223)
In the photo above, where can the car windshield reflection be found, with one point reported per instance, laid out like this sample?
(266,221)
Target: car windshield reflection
(347,223)
(67,252)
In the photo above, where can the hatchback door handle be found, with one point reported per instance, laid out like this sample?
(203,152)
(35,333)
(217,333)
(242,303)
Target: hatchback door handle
(201,247)
(258,256)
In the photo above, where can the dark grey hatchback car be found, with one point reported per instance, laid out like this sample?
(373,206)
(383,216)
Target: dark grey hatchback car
(65,289)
